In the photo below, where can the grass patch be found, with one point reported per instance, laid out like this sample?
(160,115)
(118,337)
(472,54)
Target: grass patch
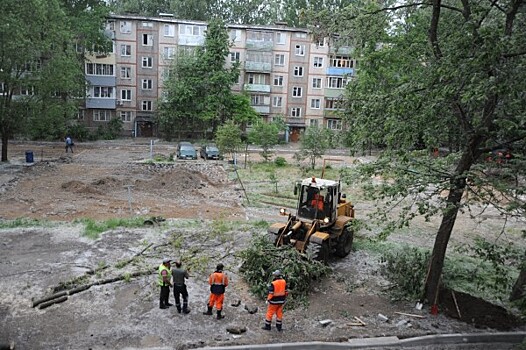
(93,229)
(24,222)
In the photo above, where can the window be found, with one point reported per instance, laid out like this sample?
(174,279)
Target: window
(193,30)
(235,35)
(295,112)
(146,105)
(80,114)
(296,91)
(318,62)
(316,83)
(278,80)
(169,30)
(332,103)
(125,50)
(27,90)
(260,36)
(234,57)
(99,69)
(298,71)
(321,43)
(280,38)
(147,84)
(341,62)
(168,53)
(103,92)
(147,62)
(334,124)
(314,123)
(101,115)
(336,82)
(125,27)
(125,72)
(147,24)
(301,35)
(126,116)
(299,50)
(315,103)
(257,100)
(277,101)
(126,95)
(279,60)
(257,79)
(147,40)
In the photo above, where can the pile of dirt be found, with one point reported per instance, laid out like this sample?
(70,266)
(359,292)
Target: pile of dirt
(476,311)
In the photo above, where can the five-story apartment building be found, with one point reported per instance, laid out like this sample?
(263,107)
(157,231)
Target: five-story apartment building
(284,72)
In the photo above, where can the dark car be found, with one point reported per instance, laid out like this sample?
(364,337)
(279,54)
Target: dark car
(210,152)
(185,150)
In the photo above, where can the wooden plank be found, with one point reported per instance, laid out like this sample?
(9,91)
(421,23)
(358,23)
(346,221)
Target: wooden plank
(411,315)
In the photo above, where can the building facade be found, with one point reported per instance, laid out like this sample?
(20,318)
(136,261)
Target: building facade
(284,72)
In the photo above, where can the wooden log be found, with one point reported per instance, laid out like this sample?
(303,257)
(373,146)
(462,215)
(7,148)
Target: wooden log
(79,289)
(50,297)
(359,320)
(410,315)
(51,302)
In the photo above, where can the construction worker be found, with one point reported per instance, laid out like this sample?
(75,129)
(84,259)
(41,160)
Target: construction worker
(277,294)
(165,275)
(179,275)
(218,282)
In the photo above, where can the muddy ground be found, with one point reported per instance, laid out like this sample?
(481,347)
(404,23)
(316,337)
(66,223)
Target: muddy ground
(206,223)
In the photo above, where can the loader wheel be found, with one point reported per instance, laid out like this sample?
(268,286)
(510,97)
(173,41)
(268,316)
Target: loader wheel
(345,242)
(319,252)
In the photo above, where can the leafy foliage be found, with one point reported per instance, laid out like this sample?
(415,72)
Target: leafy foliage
(263,257)
(228,137)
(93,228)
(314,142)
(266,135)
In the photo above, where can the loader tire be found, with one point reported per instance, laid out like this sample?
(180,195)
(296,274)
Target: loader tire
(319,252)
(345,242)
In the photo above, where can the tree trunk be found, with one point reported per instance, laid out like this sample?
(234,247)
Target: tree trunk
(518,291)
(436,264)
(4,148)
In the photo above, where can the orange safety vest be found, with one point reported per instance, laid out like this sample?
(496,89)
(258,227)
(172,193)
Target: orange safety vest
(218,282)
(277,291)
(317,202)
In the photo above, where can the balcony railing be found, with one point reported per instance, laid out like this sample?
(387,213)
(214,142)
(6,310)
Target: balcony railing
(257,87)
(258,66)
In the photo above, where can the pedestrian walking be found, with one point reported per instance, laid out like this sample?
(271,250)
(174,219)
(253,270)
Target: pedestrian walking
(277,294)
(179,275)
(165,275)
(218,281)
(69,144)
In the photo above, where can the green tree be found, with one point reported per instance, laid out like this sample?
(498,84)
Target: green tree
(199,94)
(314,142)
(266,135)
(40,71)
(228,137)
(434,74)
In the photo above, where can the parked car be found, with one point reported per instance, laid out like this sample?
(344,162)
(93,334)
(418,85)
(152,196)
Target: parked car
(210,152)
(185,150)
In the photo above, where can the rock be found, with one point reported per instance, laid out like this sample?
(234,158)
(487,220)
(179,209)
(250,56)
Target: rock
(325,323)
(383,317)
(236,303)
(251,309)
(236,330)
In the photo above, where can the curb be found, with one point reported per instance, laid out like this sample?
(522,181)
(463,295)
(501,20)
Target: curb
(364,343)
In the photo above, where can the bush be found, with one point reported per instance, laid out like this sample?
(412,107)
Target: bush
(262,258)
(280,161)
(407,269)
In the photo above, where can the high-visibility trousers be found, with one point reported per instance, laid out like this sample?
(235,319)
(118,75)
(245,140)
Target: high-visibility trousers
(217,300)
(274,309)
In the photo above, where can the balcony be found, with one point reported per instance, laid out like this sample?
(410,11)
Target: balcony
(261,109)
(101,103)
(260,45)
(339,71)
(257,87)
(258,66)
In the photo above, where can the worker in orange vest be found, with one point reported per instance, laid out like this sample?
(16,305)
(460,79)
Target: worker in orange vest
(277,294)
(317,202)
(218,282)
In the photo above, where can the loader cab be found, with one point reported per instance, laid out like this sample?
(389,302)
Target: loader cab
(317,200)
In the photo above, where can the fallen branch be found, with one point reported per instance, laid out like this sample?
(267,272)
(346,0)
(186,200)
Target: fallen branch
(359,320)
(410,315)
(456,304)
(51,302)
(51,297)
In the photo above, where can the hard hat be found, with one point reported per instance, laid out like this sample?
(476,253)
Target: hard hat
(276,273)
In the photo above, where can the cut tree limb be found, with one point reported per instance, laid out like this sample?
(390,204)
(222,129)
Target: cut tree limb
(410,315)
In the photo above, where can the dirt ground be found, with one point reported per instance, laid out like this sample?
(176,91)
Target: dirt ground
(104,180)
